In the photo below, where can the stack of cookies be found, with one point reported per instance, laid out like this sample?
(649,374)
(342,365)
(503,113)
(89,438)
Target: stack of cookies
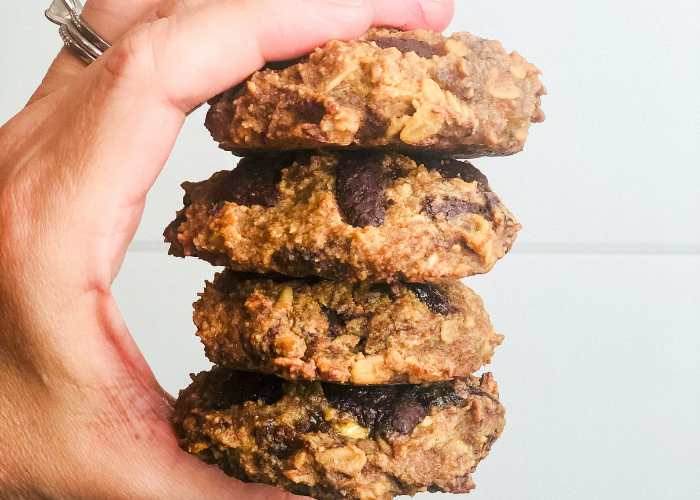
(345,344)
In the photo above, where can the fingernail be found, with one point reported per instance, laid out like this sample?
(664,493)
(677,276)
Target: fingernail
(348,3)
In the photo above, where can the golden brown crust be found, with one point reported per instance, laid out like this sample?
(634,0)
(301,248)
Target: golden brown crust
(462,96)
(432,227)
(345,332)
(308,444)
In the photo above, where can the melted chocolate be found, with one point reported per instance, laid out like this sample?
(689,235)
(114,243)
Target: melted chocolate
(432,297)
(336,322)
(361,183)
(454,207)
(390,409)
(450,168)
(253,182)
(226,388)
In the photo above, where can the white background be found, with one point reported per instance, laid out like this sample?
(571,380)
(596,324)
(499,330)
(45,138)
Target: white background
(600,299)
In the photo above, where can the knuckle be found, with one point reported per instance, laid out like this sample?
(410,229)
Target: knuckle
(169,8)
(132,59)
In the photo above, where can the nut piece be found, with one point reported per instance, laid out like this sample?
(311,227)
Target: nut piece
(370,370)
(457,48)
(301,473)
(349,460)
(286,297)
(354,430)
(432,92)
(423,124)
(518,71)
(505,92)
(450,330)
(289,345)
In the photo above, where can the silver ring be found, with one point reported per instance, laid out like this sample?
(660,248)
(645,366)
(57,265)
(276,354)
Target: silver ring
(75,32)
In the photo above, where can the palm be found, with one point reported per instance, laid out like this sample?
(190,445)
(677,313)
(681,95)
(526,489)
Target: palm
(81,414)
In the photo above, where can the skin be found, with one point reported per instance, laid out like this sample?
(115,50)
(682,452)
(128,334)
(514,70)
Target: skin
(81,414)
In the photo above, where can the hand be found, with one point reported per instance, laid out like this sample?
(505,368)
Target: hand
(81,414)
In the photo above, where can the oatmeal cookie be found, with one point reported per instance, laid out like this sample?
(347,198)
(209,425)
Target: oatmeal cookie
(332,441)
(460,96)
(347,332)
(360,215)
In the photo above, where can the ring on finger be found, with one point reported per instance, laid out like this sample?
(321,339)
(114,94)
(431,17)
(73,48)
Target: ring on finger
(76,34)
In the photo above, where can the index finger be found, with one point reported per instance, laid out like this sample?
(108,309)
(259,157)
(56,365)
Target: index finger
(111,19)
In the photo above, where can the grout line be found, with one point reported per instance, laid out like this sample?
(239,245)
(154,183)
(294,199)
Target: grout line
(522,248)
(608,249)
(149,247)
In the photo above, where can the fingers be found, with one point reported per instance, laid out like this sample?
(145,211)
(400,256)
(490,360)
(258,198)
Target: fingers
(127,108)
(111,19)
(191,57)
(412,14)
(409,15)
(140,91)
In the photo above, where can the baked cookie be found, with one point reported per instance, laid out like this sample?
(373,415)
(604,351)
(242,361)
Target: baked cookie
(460,96)
(347,332)
(340,442)
(346,216)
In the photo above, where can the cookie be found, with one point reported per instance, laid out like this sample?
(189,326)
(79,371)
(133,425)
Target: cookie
(410,91)
(332,441)
(346,332)
(360,215)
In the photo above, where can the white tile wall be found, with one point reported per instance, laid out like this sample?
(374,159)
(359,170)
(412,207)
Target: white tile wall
(600,301)
(598,371)
(616,163)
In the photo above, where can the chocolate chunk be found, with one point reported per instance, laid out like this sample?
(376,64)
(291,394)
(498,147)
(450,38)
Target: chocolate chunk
(373,126)
(370,405)
(315,422)
(301,262)
(282,441)
(310,111)
(454,207)
(226,388)
(436,394)
(431,297)
(282,65)
(336,323)
(451,169)
(390,409)
(421,48)
(360,346)
(361,184)
(383,288)
(253,182)
(406,414)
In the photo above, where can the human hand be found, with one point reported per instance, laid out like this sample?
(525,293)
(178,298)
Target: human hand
(81,414)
